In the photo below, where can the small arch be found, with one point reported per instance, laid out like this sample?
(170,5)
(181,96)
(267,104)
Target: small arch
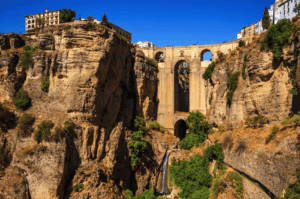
(29,26)
(32,26)
(205,55)
(32,21)
(180,129)
(160,56)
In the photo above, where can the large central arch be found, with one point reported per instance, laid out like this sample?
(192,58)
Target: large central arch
(181,89)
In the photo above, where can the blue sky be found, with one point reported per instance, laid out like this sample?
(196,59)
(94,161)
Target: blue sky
(162,22)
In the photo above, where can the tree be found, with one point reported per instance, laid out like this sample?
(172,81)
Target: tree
(67,15)
(90,19)
(266,19)
(104,21)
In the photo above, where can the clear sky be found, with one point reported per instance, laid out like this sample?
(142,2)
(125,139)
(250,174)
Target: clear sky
(162,22)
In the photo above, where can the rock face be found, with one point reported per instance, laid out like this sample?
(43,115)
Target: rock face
(98,83)
(265,91)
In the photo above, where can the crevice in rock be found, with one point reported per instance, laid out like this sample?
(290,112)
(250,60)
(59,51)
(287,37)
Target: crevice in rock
(271,194)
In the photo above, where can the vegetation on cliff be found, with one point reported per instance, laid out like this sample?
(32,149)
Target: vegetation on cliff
(67,15)
(43,130)
(21,101)
(147,194)
(232,84)
(137,145)
(26,122)
(155,125)
(208,72)
(45,84)
(27,56)
(192,176)
(198,128)
(293,189)
(277,37)
(266,19)
(237,182)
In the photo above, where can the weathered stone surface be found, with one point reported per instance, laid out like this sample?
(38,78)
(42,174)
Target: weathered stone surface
(252,192)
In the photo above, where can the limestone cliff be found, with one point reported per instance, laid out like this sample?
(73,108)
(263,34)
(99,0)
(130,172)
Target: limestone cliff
(98,82)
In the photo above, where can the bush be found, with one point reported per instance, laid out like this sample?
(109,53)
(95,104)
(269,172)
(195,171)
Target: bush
(294,90)
(78,186)
(295,119)
(245,57)
(221,128)
(237,183)
(277,37)
(293,71)
(69,125)
(27,55)
(210,98)
(257,120)
(155,125)
(90,26)
(208,72)
(197,126)
(122,37)
(21,101)
(286,120)
(137,145)
(232,83)
(241,43)
(192,176)
(66,15)
(43,130)
(274,130)
(244,70)
(26,122)
(45,84)
(67,28)
(153,63)
(147,194)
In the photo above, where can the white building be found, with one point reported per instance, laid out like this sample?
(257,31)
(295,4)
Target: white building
(288,9)
(145,44)
(50,17)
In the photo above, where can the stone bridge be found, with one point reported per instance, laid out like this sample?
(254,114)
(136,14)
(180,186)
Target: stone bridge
(168,113)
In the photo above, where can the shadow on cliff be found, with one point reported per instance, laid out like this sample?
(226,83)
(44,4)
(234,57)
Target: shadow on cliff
(296,104)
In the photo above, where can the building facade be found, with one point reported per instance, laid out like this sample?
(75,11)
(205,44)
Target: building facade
(288,9)
(145,44)
(50,17)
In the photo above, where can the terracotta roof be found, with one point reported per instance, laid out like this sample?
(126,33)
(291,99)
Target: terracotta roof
(41,13)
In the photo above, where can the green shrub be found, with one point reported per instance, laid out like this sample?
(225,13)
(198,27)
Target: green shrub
(221,128)
(137,145)
(294,90)
(237,183)
(259,119)
(43,130)
(274,130)
(286,120)
(197,126)
(66,15)
(192,176)
(21,101)
(147,194)
(244,70)
(277,37)
(208,72)
(153,63)
(155,125)
(210,98)
(122,37)
(241,43)
(27,55)
(157,100)
(293,71)
(297,174)
(78,186)
(245,57)
(67,28)
(296,119)
(69,125)
(45,84)
(232,83)
(26,122)
(90,26)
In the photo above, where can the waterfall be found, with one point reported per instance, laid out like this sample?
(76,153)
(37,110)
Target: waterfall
(164,172)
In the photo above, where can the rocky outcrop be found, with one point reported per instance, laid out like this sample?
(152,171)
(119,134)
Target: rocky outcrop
(97,82)
(265,91)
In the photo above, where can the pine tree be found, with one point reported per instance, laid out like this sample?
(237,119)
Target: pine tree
(104,20)
(266,19)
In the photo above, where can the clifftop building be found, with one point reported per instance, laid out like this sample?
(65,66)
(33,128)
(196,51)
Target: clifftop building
(50,17)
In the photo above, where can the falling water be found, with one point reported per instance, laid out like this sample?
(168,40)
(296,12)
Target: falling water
(164,171)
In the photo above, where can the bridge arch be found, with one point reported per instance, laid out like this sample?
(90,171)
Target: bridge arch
(180,129)
(203,52)
(181,87)
(159,56)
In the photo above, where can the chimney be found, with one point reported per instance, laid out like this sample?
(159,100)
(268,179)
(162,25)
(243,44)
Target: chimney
(47,10)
